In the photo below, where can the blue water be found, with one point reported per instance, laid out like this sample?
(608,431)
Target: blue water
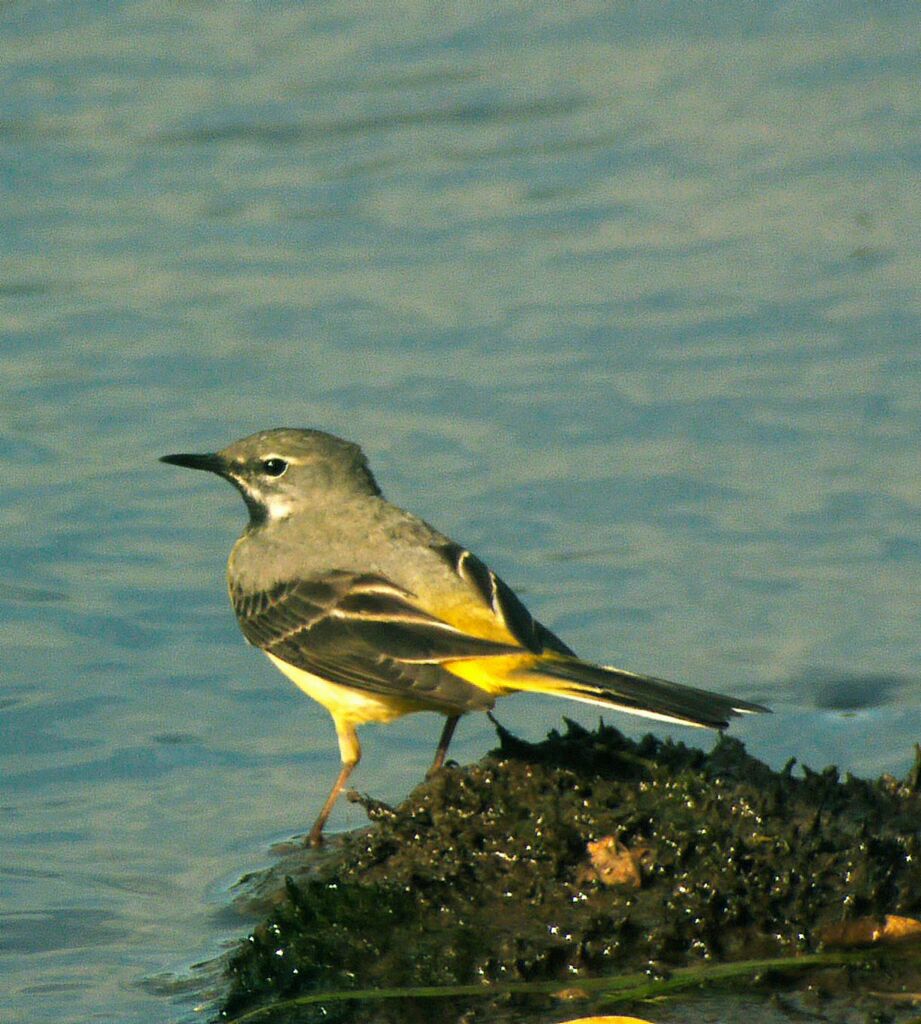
(625,298)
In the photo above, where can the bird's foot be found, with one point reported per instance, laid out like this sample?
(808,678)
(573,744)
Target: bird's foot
(436,768)
(376,810)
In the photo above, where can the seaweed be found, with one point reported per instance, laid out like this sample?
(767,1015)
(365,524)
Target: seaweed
(485,877)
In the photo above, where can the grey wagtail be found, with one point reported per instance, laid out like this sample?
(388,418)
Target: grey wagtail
(375,614)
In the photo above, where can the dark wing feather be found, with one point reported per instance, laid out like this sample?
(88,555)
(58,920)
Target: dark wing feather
(361,630)
(531,634)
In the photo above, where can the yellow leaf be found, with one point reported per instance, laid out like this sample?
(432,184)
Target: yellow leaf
(607,1020)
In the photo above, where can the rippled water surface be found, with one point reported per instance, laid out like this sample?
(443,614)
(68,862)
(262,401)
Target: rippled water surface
(625,298)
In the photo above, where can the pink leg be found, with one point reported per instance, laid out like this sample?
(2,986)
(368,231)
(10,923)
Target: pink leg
(316,833)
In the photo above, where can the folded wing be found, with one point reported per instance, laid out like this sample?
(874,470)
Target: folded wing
(363,631)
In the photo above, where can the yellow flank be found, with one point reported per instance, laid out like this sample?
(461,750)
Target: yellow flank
(346,704)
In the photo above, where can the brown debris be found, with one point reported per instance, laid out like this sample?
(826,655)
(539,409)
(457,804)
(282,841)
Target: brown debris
(570,994)
(613,863)
(866,931)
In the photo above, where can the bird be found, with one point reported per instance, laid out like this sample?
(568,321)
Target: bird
(375,614)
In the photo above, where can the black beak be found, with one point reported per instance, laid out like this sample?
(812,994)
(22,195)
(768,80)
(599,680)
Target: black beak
(210,462)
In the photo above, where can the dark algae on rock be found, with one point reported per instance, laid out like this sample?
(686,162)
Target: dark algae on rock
(508,871)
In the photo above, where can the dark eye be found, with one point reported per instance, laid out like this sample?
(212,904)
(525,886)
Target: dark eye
(274,467)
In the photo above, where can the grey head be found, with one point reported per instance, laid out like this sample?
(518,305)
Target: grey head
(283,471)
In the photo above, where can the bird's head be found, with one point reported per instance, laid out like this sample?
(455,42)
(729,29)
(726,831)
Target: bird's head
(284,471)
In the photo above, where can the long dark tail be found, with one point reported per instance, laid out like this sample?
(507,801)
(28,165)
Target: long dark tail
(635,694)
